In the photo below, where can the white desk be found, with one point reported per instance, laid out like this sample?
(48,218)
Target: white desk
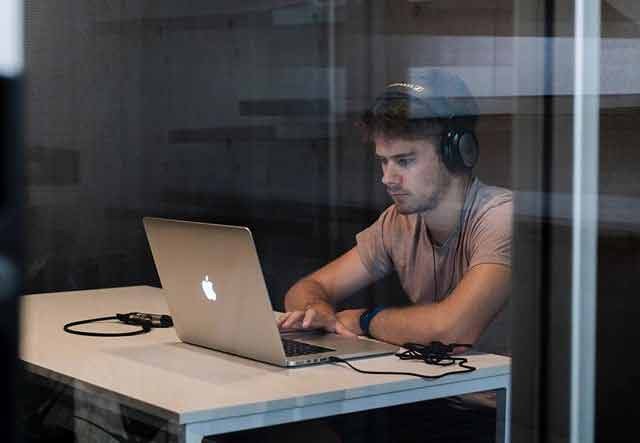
(201,392)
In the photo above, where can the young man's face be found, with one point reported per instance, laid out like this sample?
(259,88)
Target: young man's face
(412,172)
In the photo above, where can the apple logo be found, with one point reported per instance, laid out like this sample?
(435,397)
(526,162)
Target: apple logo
(207,288)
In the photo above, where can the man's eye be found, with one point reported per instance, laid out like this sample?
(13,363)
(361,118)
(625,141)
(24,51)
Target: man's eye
(404,162)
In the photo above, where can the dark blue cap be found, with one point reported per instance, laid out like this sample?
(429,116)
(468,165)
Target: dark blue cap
(434,94)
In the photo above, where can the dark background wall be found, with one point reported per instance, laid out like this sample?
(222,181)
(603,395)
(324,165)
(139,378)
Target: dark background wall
(223,112)
(216,111)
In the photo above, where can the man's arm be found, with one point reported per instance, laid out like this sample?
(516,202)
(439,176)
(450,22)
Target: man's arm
(460,318)
(311,301)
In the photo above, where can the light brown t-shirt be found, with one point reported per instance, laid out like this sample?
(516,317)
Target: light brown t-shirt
(400,242)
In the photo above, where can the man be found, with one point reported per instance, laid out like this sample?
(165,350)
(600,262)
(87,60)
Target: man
(447,235)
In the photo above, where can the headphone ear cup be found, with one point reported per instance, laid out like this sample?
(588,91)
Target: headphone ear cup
(459,149)
(467,149)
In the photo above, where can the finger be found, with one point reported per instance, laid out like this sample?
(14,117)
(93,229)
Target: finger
(309,316)
(282,318)
(342,330)
(293,318)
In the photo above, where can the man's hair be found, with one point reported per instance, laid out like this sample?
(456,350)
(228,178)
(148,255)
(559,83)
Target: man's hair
(392,120)
(423,109)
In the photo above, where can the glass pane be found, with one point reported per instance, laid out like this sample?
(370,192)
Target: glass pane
(254,114)
(618,193)
(572,151)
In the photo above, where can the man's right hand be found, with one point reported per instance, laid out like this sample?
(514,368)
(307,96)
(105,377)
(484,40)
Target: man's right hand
(314,316)
(321,291)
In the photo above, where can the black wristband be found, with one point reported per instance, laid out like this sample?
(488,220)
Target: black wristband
(366,317)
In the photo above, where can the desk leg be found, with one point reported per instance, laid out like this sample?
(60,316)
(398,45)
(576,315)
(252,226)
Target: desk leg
(503,415)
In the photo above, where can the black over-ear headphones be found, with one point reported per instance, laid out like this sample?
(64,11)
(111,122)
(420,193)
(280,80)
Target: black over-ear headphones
(458,148)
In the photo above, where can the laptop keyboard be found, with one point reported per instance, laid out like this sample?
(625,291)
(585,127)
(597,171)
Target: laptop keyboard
(294,348)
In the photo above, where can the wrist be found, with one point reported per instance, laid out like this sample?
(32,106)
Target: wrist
(350,318)
(367,317)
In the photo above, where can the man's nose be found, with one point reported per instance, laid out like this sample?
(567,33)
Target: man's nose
(389,176)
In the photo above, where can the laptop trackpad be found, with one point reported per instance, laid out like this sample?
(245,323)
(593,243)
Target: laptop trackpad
(344,346)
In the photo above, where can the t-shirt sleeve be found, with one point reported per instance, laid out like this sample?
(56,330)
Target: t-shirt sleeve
(370,244)
(491,236)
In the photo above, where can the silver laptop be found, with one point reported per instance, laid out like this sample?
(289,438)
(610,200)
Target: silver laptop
(218,298)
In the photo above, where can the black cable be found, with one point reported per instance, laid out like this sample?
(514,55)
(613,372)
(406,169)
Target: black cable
(435,274)
(460,227)
(142,319)
(145,327)
(436,353)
